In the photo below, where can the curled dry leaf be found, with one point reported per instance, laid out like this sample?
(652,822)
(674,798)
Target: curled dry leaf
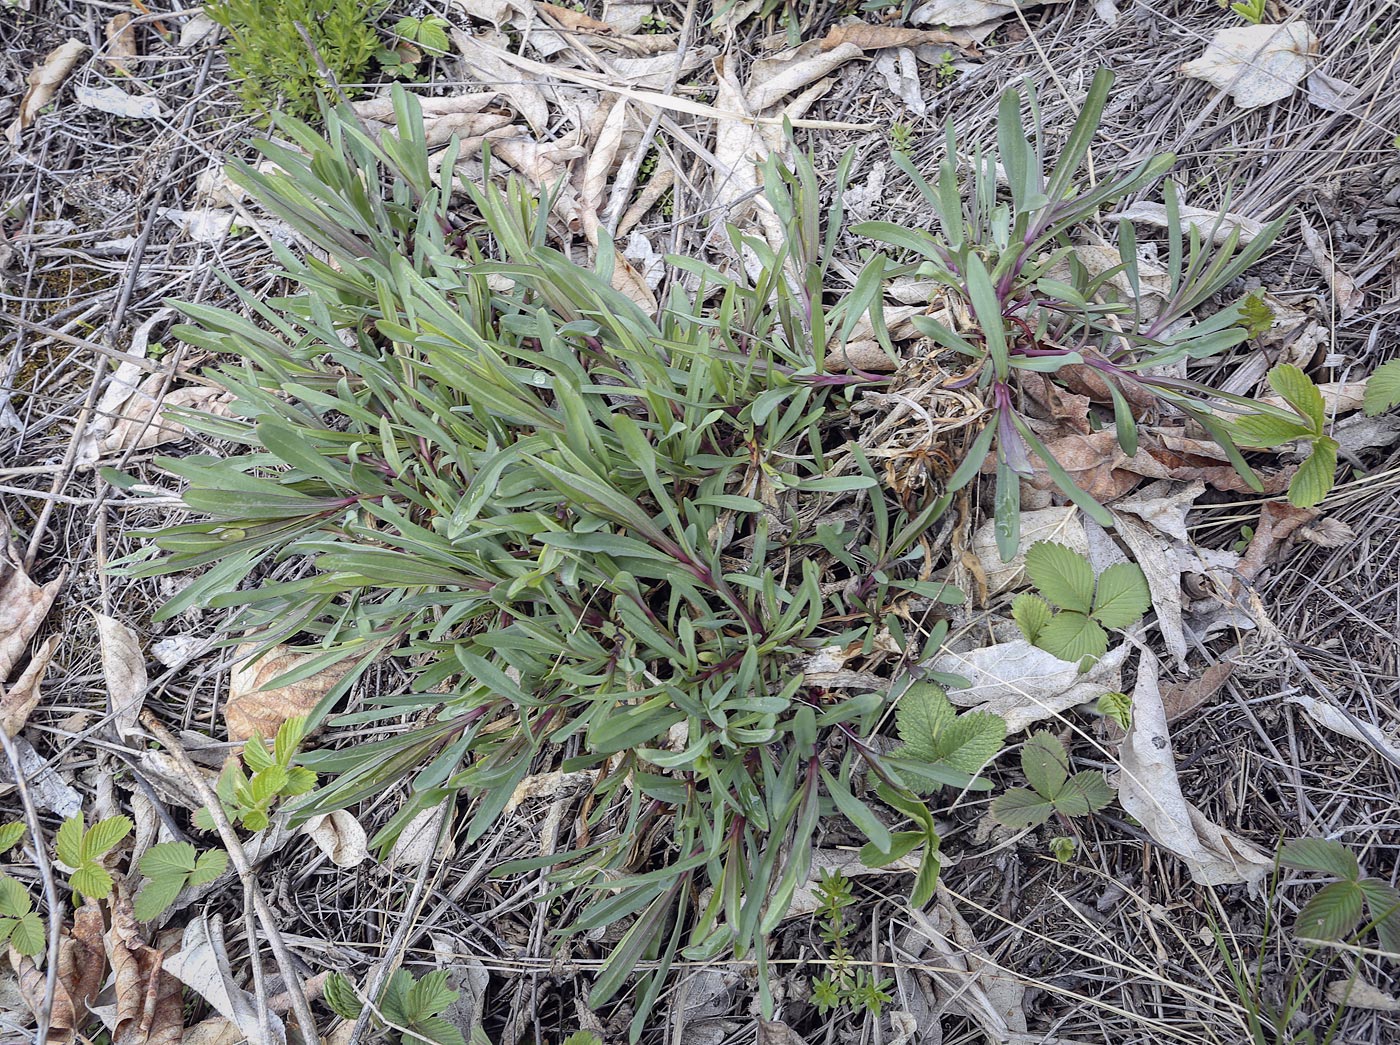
(144,421)
(1149,790)
(1345,292)
(1348,725)
(522,91)
(1256,64)
(117,102)
(149,1002)
(44,82)
(963,12)
(1207,222)
(20,700)
(576,20)
(876,37)
(82,966)
(1361,995)
(253,708)
(123,383)
(48,790)
(549,785)
(121,43)
(340,836)
(418,844)
(124,669)
(1024,684)
(202,965)
(23,606)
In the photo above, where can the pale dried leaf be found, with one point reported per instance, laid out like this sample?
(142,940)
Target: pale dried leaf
(1347,295)
(43,83)
(548,785)
(485,63)
(340,836)
(1024,684)
(195,30)
(124,669)
(876,37)
(1152,551)
(135,429)
(772,81)
(497,12)
(203,225)
(900,70)
(81,968)
(381,110)
(597,169)
(1361,995)
(869,356)
(1332,94)
(20,700)
(1207,222)
(1256,64)
(149,1001)
(1348,725)
(251,707)
(1149,790)
(117,102)
(1338,397)
(121,386)
(48,790)
(202,965)
(217,1030)
(1061,525)
(775,1032)
(23,606)
(418,843)
(577,21)
(121,43)
(963,12)
(174,650)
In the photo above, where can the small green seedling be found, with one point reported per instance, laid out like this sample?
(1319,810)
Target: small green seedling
(1252,11)
(169,868)
(1335,910)
(1317,474)
(1065,579)
(247,800)
(1118,707)
(417,37)
(20,926)
(1063,848)
(845,982)
(412,1006)
(1255,315)
(1052,790)
(83,852)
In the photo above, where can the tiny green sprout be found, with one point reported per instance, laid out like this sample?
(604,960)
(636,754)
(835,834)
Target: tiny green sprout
(20,926)
(583,1037)
(248,800)
(83,850)
(1052,791)
(1246,538)
(169,868)
(1256,317)
(1118,707)
(10,835)
(1062,848)
(1086,605)
(901,137)
(1252,11)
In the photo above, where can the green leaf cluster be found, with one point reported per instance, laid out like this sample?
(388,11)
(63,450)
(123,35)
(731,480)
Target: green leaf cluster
(169,868)
(248,799)
(941,747)
(1052,789)
(1086,605)
(1335,911)
(83,850)
(411,1006)
(1307,424)
(846,982)
(20,925)
(275,70)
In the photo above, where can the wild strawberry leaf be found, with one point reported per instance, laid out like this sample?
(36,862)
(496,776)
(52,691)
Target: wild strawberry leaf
(69,843)
(93,881)
(104,835)
(1072,636)
(1083,793)
(1019,808)
(1382,389)
(1062,575)
(156,895)
(1332,913)
(1122,597)
(1300,393)
(1045,763)
(1031,613)
(923,713)
(168,859)
(10,834)
(1315,475)
(1322,855)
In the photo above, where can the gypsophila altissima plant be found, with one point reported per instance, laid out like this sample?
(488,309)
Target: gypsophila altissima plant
(595,540)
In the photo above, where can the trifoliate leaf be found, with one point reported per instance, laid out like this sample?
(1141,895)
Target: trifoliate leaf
(156,895)
(1083,793)
(970,741)
(1122,597)
(923,713)
(1018,808)
(1031,613)
(428,997)
(104,835)
(1045,764)
(1382,389)
(93,881)
(169,859)
(1300,393)
(209,866)
(1321,855)
(69,842)
(1332,913)
(1062,575)
(1072,636)
(1118,707)
(27,935)
(14,898)
(1315,475)
(1266,430)
(1254,313)
(10,834)
(340,996)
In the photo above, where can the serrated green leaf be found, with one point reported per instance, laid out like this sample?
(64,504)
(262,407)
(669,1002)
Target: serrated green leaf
(1382,389)
(289,737)
(1300,393)
(156,895)
(1083,793)
(434,1031)
(209,866)
(429,996)
(1266,430)
(1332,913)
(300,780)
(267,784)
(10,835)
(1072,636)
(254,819)
(1315,475)
(1063,576)
(583,1037)
(340,996)
(27,935)
(1322,855)
(922,714)
(970,741)
(1018,808)
(204,820)
(104,835)
(167,860)
(69,842)
(93,881)
(1122,596)
(1383,910)
(256,755)
(14,898)
(1045,764)
(1031,613)
(1118,707)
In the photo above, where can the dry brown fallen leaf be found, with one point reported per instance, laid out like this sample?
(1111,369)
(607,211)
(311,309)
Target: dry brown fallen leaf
(82,967)
(20,700)
(876,37)
(576,20)
(1256,64)
(340,836)
(124,670)
(145,419)
(1361,995)
(1206,222)
(1276,524)
(23,606)
(121,43)
(149,1001)
(1345,292)
(517,87)
(44,82)
(252,709)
